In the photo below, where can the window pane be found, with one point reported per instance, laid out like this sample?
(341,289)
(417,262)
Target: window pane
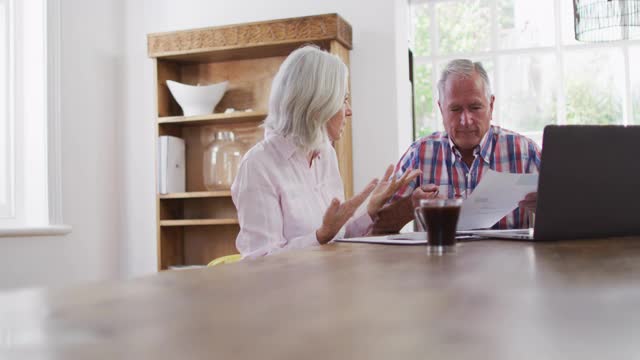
(463,26)
(525,23)
(594,82)
(420,21)
(528,93)
(634,58)
(426,122)
(6,208)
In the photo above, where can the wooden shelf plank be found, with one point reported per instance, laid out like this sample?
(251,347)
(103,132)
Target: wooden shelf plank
(271,38)
(235,117)
(198,222)
(234,53)
(197,194)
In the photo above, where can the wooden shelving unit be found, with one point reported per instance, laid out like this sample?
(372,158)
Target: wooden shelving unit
(196,194)
(198,226)
(233,118)
(198,222)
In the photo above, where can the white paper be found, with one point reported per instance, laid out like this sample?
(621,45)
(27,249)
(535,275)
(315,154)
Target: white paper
(398,239)
(496,195)
(409,238)
(186,267)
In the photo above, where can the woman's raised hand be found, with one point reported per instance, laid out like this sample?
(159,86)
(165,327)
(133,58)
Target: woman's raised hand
(387,187)
(339,213)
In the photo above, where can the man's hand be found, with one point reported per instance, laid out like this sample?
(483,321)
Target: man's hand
(339,213)
(529,202)
(392,217)
(387,187)
(427,191)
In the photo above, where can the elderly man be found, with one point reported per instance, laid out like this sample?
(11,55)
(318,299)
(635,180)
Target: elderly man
(453,161)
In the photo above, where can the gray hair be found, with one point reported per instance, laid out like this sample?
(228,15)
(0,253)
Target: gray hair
(309,88)
(464,67)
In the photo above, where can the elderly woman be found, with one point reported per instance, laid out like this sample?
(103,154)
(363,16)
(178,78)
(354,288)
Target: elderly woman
(288,190)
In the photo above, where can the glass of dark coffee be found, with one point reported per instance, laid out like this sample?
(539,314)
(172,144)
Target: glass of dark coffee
(440,218)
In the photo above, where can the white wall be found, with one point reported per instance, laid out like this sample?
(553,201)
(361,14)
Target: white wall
(91,83)
(108,124)
(378,71)
(138,250)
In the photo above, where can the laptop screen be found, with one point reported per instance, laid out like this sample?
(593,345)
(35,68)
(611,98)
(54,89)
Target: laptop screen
(589,183)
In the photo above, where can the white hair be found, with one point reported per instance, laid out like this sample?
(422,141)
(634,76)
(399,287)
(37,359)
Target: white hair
(309,88)
(464,67)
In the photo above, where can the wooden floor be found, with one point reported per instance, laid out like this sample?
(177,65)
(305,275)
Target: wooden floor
(489,300)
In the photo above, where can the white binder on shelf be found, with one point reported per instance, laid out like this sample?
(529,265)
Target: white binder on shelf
(171,165)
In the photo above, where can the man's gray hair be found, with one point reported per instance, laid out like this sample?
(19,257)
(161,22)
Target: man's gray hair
(309,88)
(464,67)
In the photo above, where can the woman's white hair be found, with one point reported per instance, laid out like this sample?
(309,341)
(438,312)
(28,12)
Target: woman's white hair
(309,88)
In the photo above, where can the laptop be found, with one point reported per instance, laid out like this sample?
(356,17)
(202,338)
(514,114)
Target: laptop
(588,187)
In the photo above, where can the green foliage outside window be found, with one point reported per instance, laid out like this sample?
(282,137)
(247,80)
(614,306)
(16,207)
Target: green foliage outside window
(422,38)
(463,26)
(589,104)
(423,99)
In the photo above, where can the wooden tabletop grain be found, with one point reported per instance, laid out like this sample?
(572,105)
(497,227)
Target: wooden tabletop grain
(489,300)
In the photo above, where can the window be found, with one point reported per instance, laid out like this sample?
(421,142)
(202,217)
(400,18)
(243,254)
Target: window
(29,156)
(539,74)
(7,203)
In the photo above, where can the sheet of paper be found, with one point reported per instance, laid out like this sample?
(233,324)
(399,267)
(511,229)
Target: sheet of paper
(496,196)
(410,238)
(399,239)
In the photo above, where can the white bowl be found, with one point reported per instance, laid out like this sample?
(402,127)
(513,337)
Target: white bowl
(197,100)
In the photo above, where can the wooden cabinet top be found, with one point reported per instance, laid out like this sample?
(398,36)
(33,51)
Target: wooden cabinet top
(248,40)
(491,299)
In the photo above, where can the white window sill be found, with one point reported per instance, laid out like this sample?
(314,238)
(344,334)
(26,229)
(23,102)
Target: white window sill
(23,231)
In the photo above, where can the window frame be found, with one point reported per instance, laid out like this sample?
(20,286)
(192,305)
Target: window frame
(51,154)
(559,50)
(8,112)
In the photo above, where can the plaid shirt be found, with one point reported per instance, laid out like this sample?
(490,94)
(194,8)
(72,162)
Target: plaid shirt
(441,164)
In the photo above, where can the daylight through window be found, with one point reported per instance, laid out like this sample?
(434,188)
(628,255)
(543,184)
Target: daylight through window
(540,75)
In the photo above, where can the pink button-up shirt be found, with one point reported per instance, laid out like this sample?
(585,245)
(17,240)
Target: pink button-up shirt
(281,199)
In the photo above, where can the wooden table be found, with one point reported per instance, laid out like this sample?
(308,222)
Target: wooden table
(489,300)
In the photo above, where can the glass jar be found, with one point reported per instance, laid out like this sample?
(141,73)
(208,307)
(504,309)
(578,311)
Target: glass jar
(221,160)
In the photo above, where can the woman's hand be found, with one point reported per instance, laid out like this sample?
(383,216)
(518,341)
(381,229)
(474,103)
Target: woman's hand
(387,187)
(339,213)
